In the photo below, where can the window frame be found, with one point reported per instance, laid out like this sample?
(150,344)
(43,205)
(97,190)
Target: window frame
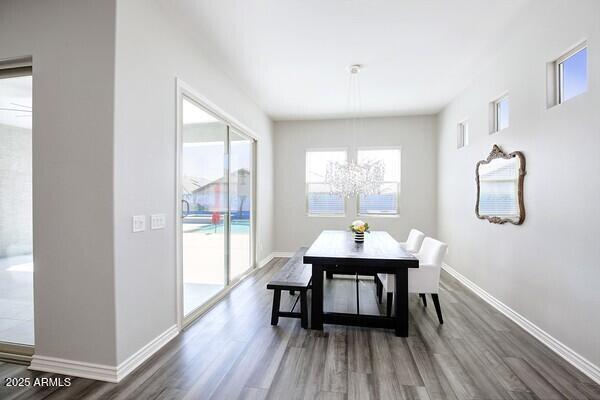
(398,183)
(462,134)
(307,183)
(23,67)
(495,105)
(559,73)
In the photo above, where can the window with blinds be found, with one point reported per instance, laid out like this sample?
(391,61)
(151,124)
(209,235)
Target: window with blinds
(319,199)
(386,201)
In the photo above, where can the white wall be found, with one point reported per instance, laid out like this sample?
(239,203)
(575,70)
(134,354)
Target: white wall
(72,44)
(548,268)
(415,135)
(151,51)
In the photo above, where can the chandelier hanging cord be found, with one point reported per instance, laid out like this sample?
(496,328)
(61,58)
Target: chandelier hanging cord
(351,178)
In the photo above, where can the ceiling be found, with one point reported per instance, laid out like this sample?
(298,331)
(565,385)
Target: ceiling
(291,56)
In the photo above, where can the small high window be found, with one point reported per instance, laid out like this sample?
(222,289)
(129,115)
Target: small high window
(499,112)
(462,135)
(571,71)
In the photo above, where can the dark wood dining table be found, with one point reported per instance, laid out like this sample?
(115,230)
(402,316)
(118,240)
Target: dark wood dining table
(337,252)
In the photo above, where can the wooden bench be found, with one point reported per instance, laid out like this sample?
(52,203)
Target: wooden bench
(294,275)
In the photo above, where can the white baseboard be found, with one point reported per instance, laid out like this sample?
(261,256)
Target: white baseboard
(275,254)
(265,261)
(578,361)
(101,372)
(74,368)
(136,359)
(282,254)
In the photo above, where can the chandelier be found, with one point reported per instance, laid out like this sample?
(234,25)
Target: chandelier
(352,178)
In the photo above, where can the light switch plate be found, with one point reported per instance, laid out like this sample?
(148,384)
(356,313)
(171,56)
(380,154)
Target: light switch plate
(157,221)
(139,223)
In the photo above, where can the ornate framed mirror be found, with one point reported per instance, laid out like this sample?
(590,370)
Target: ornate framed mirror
(500,187)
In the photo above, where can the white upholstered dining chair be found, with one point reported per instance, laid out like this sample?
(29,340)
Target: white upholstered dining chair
(414,241)
(412,245)
(422,280)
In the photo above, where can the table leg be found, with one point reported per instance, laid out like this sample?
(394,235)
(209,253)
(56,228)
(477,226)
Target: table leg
(401,302)
(303,310)
(275,310)
(316,317)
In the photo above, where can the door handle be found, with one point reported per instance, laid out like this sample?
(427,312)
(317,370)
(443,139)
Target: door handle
(185,208)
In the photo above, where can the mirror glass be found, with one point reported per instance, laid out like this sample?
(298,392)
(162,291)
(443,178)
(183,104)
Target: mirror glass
(500,188)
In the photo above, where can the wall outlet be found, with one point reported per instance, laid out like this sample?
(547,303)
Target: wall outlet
(139,223)
(158,221)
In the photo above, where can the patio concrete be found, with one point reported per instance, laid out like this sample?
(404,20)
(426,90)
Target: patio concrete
(16,300)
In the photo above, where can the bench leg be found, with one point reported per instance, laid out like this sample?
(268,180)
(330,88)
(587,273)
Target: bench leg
(303,310)
(329,275)
(292,292)
(275,311)
(390,298)
(379,286)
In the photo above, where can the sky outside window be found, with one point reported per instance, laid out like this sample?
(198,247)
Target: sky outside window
(503,113)
(574,75)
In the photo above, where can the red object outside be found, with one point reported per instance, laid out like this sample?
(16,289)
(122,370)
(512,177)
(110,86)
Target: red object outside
(216,218)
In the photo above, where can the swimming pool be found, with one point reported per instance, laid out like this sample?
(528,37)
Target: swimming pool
(237,227)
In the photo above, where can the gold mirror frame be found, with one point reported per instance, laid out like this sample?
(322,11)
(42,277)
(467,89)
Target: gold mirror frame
(494,154)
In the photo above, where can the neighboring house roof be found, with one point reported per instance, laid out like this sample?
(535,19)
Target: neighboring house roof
(221,181)
(190,184)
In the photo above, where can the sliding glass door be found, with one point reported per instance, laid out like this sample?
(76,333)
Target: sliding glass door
(204,197)
(16,222)
(216,195)
(241,155)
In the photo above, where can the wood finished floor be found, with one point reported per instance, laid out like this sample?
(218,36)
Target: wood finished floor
(233,352)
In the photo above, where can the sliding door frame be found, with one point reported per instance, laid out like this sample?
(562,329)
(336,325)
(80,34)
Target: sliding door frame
(185,90)
(252,206)
(17,352)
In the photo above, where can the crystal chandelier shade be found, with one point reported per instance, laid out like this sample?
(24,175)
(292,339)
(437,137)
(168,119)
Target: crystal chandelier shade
(351,179)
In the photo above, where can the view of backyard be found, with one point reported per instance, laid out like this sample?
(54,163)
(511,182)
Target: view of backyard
(16,210)
(16,299)
(216,195)
(202,276)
